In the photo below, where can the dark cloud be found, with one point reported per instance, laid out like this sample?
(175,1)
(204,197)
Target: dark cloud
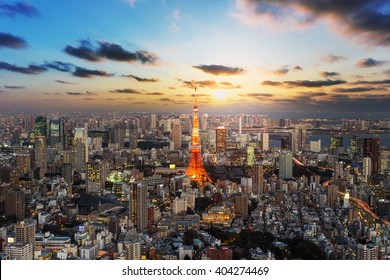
(84,51)
(326,74)
(366,21)
(65,82)
(166,100)
(126,90)
(180,95)
(110,99)
(171,88)
(60,66)
(52,93)
(89,98)
(21,8)
(333,58)
(358,89)
(14,87)
(87,73)
(200,95)
(110,51)
(259,95)
(211,84)
(369,62)
(279,72)
(75,93)
(304,83)
(219,69)
(297,68)
(142,80)
(375,82)
(155,93)
(32,69)
(90,93)
(10,41)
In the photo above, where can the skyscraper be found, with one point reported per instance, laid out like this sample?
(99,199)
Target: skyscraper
(285,165)
(250,155)
(332,191)
(40,128)
(57,132)
(25,231)
(138,206)
(40,155)
(372,149)
(286,143)
(153,121)
(96,176)
(265,141)
(220,139)
(176,135)
(241,202)
(258,178)
(80,148)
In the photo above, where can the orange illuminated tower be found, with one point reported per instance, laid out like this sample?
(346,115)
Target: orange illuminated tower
(195,169)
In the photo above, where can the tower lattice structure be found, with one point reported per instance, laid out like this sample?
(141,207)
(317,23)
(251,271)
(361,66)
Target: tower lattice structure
(195,169)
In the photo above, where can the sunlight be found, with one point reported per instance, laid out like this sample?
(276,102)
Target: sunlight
(219,94)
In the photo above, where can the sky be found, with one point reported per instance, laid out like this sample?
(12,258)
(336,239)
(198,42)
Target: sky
(243,56)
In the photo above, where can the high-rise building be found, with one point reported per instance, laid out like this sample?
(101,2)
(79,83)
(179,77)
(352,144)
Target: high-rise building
(80,148)
(356,144)
(241,202)
(239,125)
(179,206)
(372,149)
(23,163)
(250,155)
(176,135)
(332,195)
(204,121)
(367,167)
(40,155)
(338,170)
(336,142)
(40,128)
(366,250)
(301,138)
(133,248)
(286,143)
(264,141)
(220,139)
(25,231)
(96,176)
(20,251)
(66,172)
(258,178)
(57,132)
(15,205)
(153,121)
(285,165)
(138,206)
(315,146)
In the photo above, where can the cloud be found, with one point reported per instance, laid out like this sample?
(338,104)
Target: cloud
(65,82)
(106,50)
(155,93)
(130,2)
(166,100)
(369,62)
(52,93)
(279,72)
(365,21)
(375,82)
(75,93)
(173,27)
(358,89)
(304,83)
(331,58)
(326,74)
(142,80)
(297,68)
(126,90)
(60,66)
(10,41)
(180,95)
(219,69)
(176,13)
(32,69)
(211,84)
(90,93)
(87,73)
(171,88)
(259,95)
(386,72)
(21,8)
(13,87)
(84,51)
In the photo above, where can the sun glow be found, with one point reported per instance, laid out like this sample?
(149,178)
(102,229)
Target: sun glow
(219,94)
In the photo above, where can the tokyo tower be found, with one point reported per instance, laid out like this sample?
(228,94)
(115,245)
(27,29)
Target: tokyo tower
(195,169)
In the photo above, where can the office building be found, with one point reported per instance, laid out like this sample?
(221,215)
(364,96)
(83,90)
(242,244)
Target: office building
(220,139)
(96,176)
(241,203)
(40,128)
(138,206)
(40,156)
(20,251)
(176,135)
(285,165)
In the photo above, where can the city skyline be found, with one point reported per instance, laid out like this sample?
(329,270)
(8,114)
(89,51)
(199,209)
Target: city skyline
(244,56)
